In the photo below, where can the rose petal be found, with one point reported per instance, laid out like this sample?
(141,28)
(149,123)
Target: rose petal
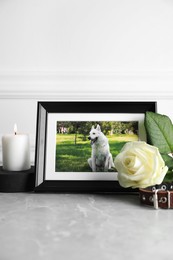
(140,165)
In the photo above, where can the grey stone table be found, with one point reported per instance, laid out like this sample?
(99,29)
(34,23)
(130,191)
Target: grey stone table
(82,226)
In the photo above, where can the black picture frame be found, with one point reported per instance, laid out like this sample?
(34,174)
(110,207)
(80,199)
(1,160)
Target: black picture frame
(78,186)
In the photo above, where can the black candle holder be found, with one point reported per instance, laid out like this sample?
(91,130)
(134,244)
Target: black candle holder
(17,181)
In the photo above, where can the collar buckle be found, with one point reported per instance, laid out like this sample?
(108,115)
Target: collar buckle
(162,199)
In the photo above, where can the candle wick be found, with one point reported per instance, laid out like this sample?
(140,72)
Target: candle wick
(15,133)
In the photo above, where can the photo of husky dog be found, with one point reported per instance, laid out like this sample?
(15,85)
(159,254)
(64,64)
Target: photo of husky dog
(101,158)
(107,138)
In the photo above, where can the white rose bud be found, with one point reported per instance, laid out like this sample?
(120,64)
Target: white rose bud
(140,165)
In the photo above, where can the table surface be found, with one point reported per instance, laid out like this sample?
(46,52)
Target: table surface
(82,226)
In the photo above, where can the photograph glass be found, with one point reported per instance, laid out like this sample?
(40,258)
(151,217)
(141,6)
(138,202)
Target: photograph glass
(75,141)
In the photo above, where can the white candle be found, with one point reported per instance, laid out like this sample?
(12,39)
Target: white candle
(16,151)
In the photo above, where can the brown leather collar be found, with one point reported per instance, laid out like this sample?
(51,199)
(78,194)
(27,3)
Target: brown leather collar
(159,196)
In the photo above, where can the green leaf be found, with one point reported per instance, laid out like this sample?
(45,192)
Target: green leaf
(168,177)
(168,160)
(159,130)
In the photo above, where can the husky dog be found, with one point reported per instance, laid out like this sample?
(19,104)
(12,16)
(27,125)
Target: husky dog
(101,158)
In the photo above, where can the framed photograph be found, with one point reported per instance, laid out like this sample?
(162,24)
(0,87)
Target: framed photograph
(77,142)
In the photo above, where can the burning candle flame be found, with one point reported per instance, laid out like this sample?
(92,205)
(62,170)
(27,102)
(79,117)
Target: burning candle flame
(15,129)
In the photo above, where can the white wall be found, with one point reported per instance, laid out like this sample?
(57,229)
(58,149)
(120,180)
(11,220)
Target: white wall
(76,49)
(85,34)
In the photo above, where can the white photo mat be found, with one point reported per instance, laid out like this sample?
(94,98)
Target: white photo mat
(51,174)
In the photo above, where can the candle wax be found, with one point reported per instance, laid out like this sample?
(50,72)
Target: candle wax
(16,152)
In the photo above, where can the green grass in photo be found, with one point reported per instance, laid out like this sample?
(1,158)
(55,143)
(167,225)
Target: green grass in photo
(71,157)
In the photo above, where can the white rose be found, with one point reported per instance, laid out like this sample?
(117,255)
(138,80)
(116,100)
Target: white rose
(140,165)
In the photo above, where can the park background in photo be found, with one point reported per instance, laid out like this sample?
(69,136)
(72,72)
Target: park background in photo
(73,147)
